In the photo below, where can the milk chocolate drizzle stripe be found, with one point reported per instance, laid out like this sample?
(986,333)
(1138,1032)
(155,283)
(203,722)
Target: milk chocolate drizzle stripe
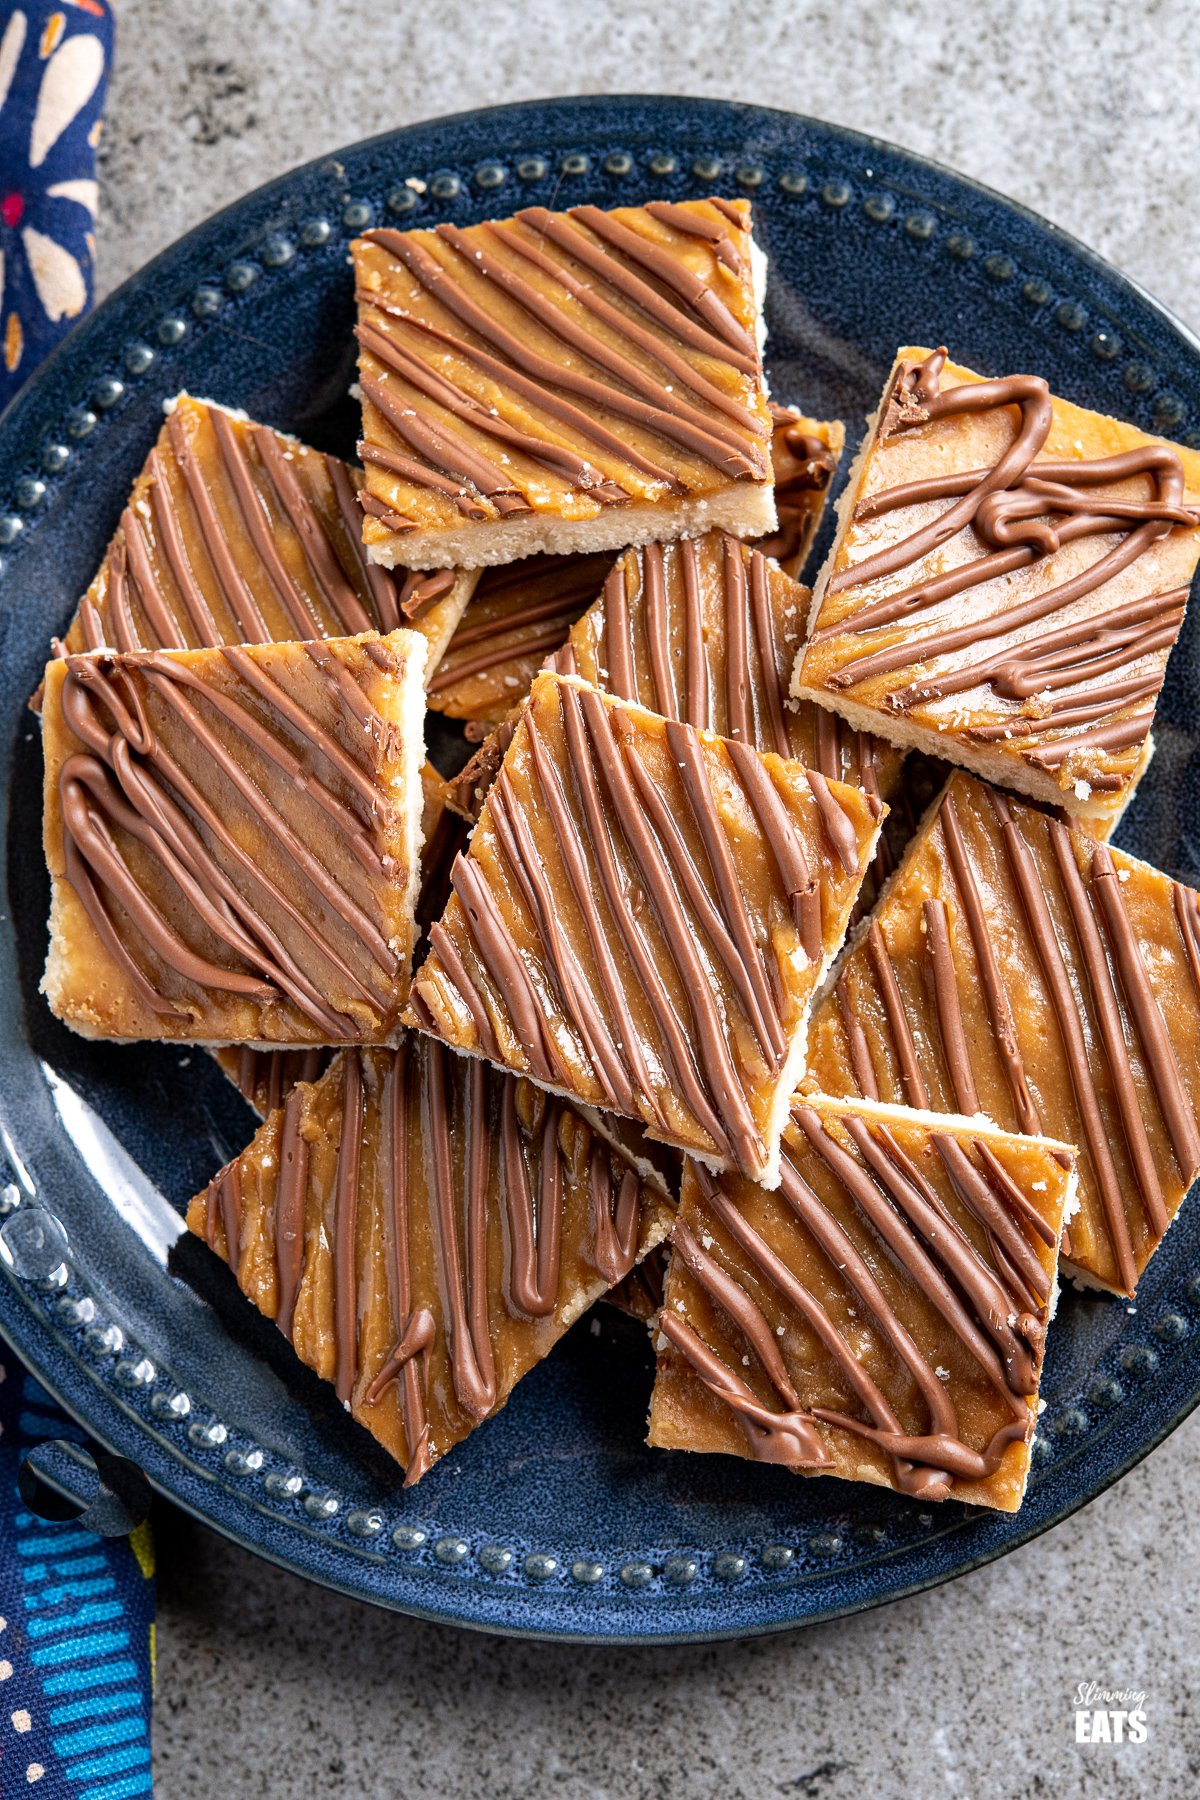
(802,889)
(464,1281)
(943,1261)
(1146,1014)
(525,373)
(654,869)
(229,580)
(348,612)
(1185,905)
(560,324)
(596,832)
(949,1007)
(167,528)
(664,417)
(416,1330)
(856,1040)
(721,334)
(1112,1034)
(570,848)
(579,1005)
(615,1221)
(995,992)
(617,651)
(820,1224)
(376,580)
(734,946)
(771,677)
(664,700)
(500,958)
(290,1195)
(697,708)
(293,599)
(737,675)
(585,295)
(559,459)
(535,1240)
(140,573)
(345,1229)
(466,668)
(154,817)
(1028,883)
(694,224)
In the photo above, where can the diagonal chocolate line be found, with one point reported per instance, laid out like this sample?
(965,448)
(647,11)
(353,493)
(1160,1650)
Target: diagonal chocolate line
(345,1230)
(377,581)
(662,675)
(686,1076)
(733,1299)
(534,1249)
(140,569)
(615,1221)
(166,526)
(956,1051)
(1027,882)
(698,705)
(444,449)
(737,676)
(289,1211)
(559,323)
(284,484)
(293,599)
(232,587)
(625,325)
(503,964)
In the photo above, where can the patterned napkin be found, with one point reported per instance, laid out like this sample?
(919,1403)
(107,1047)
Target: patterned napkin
(53,64)
(76,1610)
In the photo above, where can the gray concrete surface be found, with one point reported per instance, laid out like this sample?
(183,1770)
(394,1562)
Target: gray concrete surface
(1084,110)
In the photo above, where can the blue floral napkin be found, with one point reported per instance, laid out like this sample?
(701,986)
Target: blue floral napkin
(76,1610)
(54,61)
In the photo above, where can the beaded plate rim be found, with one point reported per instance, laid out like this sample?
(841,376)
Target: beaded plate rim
(102,1374)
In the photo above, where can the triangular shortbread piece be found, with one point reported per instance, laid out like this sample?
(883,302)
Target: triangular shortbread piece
(237,534)
(1008,580)
(1021,969)
(233,837)
(707,630)
(562,382)
(805,454)
(424,1229)
(518,616)
(881,1317)
(642,918)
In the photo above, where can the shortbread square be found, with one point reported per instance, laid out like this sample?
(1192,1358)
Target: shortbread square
(642,918)
(1021,969)
(562,382)
(881,1317)
(1009,577)
(237,534)
(423,1229)
(233,837)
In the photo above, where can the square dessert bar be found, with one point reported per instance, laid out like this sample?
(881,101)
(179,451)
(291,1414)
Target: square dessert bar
(881,1317)
(1019,968)
(707,630)
(423,1229)
(519,615)
(562,382)
(233,838)
(805,454)
(1009,576)
(642,918)
(237,534)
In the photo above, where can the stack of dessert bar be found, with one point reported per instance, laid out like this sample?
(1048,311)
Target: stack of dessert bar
(704,957)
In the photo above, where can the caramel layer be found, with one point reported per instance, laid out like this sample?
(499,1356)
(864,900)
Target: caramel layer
(577,367)
(423,1229)
(642,918)
(881,1317)
(233,838)
(804,457)
(1021,969)
(1009,578)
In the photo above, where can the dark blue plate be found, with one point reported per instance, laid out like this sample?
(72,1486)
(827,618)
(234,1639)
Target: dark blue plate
(554,1519)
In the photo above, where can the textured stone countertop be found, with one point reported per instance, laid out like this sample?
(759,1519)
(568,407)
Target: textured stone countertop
(1084,110)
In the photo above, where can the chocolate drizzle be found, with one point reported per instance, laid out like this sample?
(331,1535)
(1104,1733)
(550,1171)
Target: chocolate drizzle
(446,1225)
(804,466)
(165,873)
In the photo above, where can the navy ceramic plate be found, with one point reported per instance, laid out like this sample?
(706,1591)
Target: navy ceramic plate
(555,1519)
